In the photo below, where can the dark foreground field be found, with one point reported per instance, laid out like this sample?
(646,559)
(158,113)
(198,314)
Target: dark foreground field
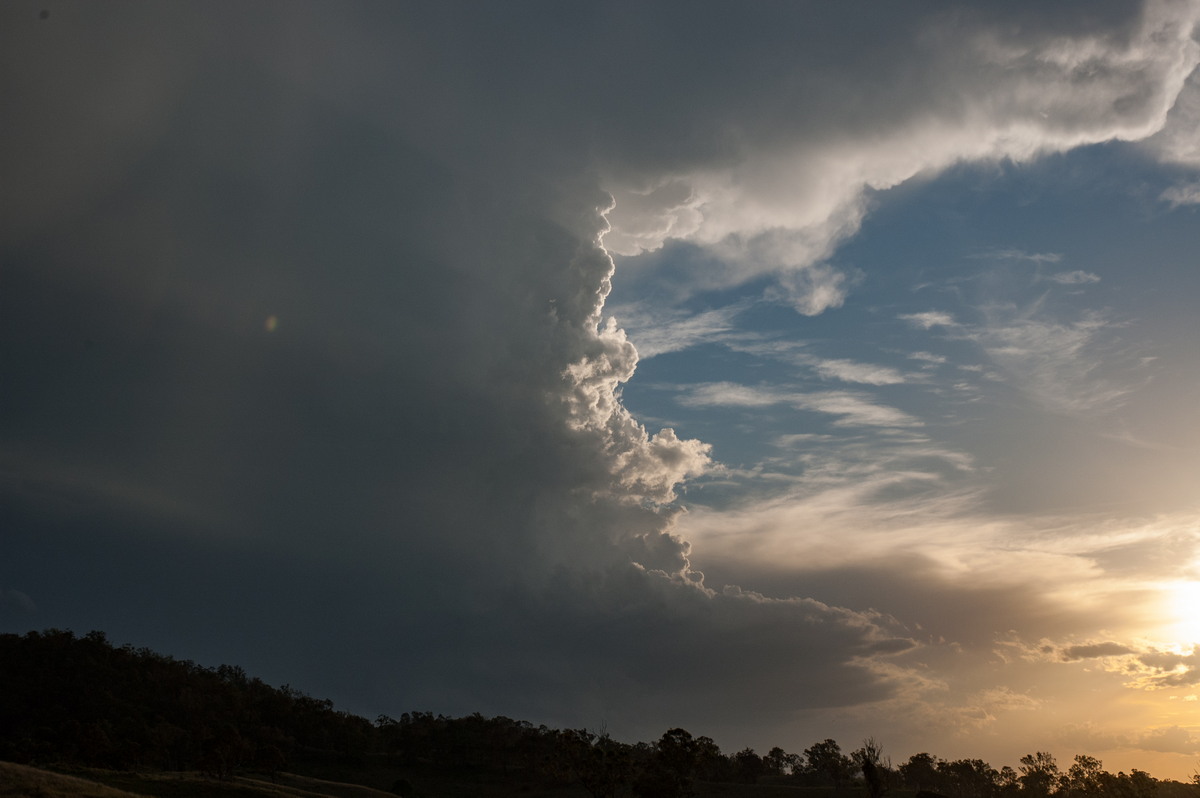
(23,781)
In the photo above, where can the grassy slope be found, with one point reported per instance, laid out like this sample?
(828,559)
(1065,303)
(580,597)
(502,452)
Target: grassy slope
(22,781)
(28,782)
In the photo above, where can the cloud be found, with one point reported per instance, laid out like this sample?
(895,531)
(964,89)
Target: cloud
(979,710)
(434,425)
(1167,668)
(1020,255)
(732,395)
(645,218)
(811,289)
(797,353)
(433,429)
(928,319)
(973,90)
(1065,360)
(643,467)
(649,642)
(851,371)
(1176,141)
(1061,364)
(1141,665)
(928,357)
(1168,739)
(848,503)
(854,409)
(1183,194)
(657,330)
(1108,649)
(1077,277)
(1164,739)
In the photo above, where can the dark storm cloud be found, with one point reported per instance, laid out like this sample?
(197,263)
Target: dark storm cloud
(630,648)
(267,343)
(303,347)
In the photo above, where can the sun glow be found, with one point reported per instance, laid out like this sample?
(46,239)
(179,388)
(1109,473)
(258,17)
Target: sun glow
(1183,609)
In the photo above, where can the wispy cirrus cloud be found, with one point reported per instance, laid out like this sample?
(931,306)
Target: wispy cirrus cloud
(853,371)
(1018,255)
(855,409)
(1067,360)
(799,353)
(656,330)
(731,394)
(850,408)
(927,320)
(1182,194)
(1076,277)
(1065,365)
(928,357)
(1038,260)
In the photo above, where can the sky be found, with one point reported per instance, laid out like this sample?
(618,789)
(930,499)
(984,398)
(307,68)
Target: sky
(781,372)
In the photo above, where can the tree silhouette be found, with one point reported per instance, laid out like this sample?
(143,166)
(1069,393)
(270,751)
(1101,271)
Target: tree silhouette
(919,772)
(749,765)
(1039,774)
(1085,777)
(875,770)
(826,759)
(969,778)
(668,773)
(599,763)
(711,764)
(779,762)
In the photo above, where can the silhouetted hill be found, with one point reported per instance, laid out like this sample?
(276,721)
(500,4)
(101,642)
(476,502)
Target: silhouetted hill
(82,700)
(148,724)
